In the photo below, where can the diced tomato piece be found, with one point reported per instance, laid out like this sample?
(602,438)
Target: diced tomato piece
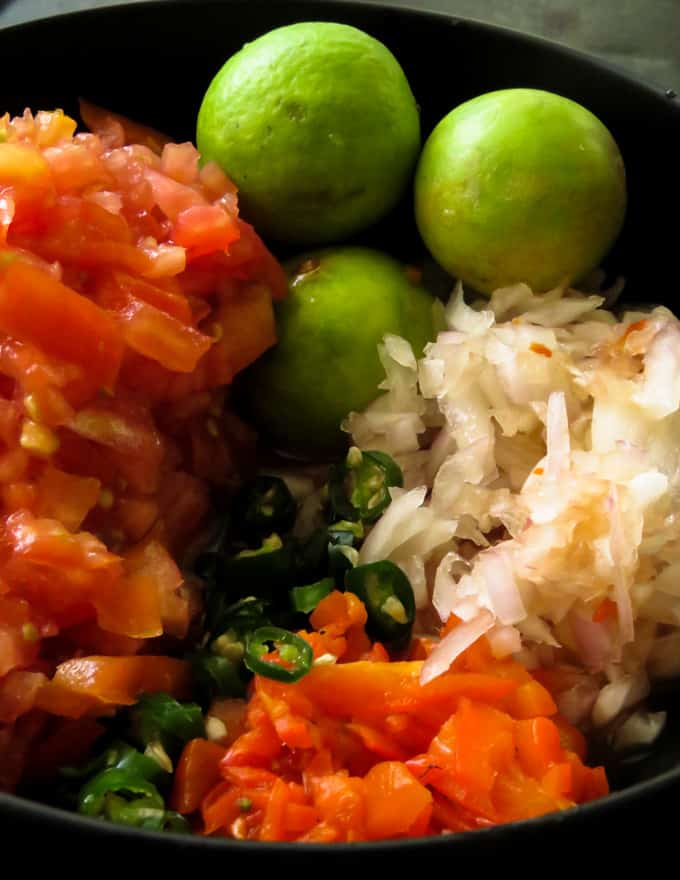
(130,607)
(160,337)
(198,770)
(65,497)
(100,121)
(37,309)
(18,691)
(94,685)
(203,229)
(395,800)
(246,330)
(114,288)
(150,559)
(75,166)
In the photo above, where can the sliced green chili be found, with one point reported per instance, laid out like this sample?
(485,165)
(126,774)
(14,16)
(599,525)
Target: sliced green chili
(122,756)
(359,486)
(264,506)
(158,718)
(216,676)
(96,795)
(239,617)
(293,650)
(341,559)
(388,596)
(346,533)
(305,599)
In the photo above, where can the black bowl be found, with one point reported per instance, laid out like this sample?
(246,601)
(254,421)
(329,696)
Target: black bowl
(153,61)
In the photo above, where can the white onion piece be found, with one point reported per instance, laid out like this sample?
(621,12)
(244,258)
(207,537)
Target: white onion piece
(414,569)
(621,577)
(504,641)
(495,568)
(593,640)
(453,645)
(389,530)
(459,316)
(399,349)
(616,696)
(557,432)
(641,729)
(576,703)
(444,595)
(659,392)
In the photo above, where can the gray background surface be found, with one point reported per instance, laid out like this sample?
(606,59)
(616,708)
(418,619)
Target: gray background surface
(640,35)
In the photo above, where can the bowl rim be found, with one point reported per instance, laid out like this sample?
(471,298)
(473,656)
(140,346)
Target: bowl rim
(631,796)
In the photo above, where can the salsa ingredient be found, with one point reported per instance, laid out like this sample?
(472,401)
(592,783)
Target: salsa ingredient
(520,185)
(341,303)
(358,487)
(558,477)
(358,749)
(131,293)
(288,658)
(317,126)
(388,596)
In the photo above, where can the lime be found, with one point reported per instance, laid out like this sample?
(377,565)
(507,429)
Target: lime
(317,126)
(341,303)
(520,185)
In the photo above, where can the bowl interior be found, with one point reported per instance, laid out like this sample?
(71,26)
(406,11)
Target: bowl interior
(153,61)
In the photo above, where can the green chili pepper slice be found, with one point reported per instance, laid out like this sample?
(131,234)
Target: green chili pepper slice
(216,676)
(158,718)
(245,615)
(359,487)
(96,795)
(295,652)
(305,599)
(345,532)
(341,559)
(388,596)
(122,756)
(264,506)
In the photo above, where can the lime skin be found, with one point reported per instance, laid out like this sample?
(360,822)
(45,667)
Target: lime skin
(317,126)
(520,185)
(341,303)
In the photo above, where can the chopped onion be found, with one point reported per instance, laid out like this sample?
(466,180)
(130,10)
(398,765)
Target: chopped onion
(594,641)
(616,696)
(392,526)
(639,730)
(444,594)
(504,641)
(495,568)
(460,316)
(557,431)
(621,578)
(453,644)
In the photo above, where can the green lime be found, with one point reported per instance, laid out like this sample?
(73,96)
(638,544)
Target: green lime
(317,126)
(341,303)
(520,185)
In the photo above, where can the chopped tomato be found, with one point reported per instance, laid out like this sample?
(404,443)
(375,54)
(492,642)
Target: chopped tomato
(33,304)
